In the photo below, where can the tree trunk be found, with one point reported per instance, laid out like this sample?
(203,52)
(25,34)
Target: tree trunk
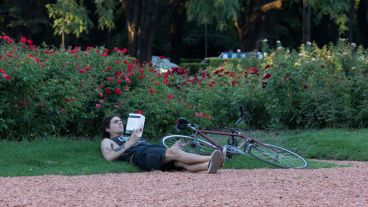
(251,23)
(176,33)
(306,22)
(362,22)
(349,33)
(132,13)
(248,26)
(144,18)
(145,42)
(62,40)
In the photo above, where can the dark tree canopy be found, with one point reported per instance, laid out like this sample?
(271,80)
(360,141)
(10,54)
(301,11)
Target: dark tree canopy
(182,27)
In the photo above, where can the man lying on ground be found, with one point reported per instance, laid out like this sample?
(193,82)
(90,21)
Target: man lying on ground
(148,156)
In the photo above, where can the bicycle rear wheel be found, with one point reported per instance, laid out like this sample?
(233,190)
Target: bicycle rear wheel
(277,156)
(189,144)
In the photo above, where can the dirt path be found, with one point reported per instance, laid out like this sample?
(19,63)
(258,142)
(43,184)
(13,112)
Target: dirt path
(346,186)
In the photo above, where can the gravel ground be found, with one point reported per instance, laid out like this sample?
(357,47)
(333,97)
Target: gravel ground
(347,186)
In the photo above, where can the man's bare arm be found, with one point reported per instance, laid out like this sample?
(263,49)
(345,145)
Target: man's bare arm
(120,148)
(111,151)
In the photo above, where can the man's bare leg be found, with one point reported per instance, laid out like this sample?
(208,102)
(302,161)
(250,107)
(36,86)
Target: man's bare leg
(193,167)
(176,154)
(211,166)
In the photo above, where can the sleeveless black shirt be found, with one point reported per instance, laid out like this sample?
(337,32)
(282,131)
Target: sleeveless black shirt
(120,140)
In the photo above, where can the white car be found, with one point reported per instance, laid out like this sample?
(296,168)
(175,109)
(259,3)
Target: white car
(163,64)
(230,55)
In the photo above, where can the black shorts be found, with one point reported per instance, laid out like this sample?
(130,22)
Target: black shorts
(150,157)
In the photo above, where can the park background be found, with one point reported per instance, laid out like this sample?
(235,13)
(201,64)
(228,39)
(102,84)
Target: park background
(66,64)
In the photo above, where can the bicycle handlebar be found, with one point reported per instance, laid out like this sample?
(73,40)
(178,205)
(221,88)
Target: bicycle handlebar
(193,127)
(182,123)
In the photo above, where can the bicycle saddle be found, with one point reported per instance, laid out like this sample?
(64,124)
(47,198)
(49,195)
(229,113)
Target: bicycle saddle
(181,124)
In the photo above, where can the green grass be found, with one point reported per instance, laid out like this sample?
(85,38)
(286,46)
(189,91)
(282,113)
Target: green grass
(331,144)
(56,156)
(63,156)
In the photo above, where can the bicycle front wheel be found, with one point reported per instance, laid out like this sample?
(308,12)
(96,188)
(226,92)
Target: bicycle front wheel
(189,144)
(277,156)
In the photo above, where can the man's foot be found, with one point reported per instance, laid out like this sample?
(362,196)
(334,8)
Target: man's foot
(215,162)
(179,144)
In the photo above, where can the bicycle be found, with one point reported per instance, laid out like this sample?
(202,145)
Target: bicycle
(237,143)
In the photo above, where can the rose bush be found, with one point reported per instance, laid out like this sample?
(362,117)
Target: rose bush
(48,91)
(67,92)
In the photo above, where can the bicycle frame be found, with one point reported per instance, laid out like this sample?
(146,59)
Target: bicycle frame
(236,143)
(203,133)
(247,141)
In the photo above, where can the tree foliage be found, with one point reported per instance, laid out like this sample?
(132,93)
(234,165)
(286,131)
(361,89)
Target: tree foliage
(105,10)
(332,18)
(337,10)
(69,17)
(210,12)
(26,17)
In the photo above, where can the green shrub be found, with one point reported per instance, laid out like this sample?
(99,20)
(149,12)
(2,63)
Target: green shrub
(190,60)
(194,68)
(46,91)
(318,87)
(68,92)
(251,59)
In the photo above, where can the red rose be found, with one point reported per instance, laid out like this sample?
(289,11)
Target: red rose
(199,115)
(23,39)
(108,91)
(170,96)
(253,70)
(127,80)
(266,76)
(6,76)
(118,91)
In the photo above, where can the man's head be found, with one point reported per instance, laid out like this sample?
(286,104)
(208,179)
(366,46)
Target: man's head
(112,126)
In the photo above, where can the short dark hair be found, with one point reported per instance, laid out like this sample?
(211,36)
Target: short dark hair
(105,124)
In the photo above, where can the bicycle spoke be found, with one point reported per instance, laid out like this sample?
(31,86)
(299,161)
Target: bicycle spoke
(277,156)
(189,144)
